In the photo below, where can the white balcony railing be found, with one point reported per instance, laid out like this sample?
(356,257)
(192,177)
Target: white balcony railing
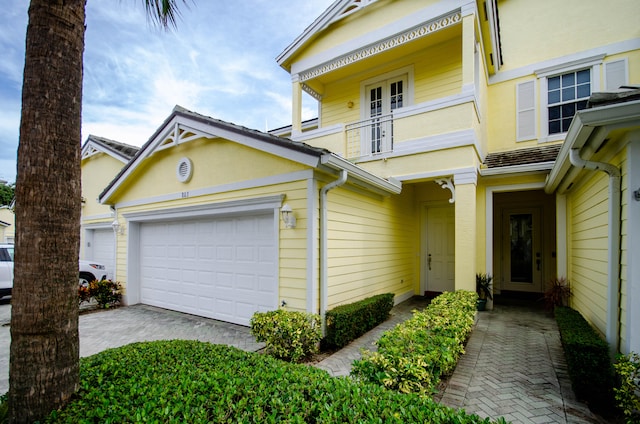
(371,136)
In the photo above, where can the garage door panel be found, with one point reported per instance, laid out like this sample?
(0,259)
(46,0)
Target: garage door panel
(222,268)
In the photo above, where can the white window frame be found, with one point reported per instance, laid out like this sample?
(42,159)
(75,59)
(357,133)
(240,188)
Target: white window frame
(593,63)
(379,79)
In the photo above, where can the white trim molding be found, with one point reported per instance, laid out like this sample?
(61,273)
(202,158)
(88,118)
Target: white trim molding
(489,191)
(378,41)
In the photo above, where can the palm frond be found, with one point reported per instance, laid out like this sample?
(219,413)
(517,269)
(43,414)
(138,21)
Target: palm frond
(163,13)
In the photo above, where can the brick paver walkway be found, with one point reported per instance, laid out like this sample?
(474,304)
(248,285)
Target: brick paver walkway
(513,367)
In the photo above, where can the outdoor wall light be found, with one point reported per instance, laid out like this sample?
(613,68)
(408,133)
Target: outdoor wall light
(287,216)
(117,228)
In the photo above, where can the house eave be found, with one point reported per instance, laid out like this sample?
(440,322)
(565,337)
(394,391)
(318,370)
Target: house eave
(363,177)
(210,127)
(587,132)
(517,169)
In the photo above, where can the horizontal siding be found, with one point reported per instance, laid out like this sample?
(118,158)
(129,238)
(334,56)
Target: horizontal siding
(589,248)
(438,71)
(372,246)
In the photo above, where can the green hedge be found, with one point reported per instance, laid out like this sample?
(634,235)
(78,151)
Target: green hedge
(188,381)
(348,322)
(412,356)
(588,361)
(288,335)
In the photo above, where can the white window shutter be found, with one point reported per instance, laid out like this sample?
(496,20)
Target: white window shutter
(615,74)
(526,110)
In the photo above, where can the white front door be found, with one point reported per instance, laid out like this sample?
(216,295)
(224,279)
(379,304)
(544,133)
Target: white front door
(438,263)
(381,99)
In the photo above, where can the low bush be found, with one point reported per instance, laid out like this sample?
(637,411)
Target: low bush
(189,381)
(106,293)
(288,335)
(627,395)
(588,361)
(346,323)
(413,356)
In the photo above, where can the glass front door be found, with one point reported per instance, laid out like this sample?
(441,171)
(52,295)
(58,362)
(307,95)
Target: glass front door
(521,251)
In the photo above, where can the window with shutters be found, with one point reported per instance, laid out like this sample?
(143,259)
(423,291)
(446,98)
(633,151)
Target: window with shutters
(559,92)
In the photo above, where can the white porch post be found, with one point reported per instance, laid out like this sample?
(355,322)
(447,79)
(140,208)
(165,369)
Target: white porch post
(296,118)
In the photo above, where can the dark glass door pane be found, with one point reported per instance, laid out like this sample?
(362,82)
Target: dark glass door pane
(521,248)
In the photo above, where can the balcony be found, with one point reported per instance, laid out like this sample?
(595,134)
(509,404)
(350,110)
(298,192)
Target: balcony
(370,137)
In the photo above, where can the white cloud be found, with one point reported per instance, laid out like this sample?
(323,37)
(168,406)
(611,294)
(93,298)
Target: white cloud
(219,62)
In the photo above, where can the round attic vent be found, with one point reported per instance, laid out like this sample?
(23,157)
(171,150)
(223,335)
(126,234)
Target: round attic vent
(184,170)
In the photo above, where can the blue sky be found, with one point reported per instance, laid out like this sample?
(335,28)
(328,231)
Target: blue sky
(219,62)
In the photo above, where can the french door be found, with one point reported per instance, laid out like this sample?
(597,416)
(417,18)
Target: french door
(382,98)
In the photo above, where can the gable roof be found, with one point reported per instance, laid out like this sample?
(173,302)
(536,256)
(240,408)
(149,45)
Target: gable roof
(336,11)
(183,126)
(120,151)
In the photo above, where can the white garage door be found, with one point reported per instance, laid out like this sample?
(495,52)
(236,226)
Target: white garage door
(101,249)
(222,268)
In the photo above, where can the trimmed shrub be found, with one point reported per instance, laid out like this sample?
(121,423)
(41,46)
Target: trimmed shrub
(346,323)
(628,393)
(182,381)
(289,335)
(588,361)
(413,356)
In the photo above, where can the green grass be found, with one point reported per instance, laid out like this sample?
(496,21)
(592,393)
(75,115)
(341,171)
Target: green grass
(188,381)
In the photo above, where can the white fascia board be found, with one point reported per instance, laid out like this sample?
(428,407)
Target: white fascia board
(318,25)
(426,14)
(391,186)
(92,144)
(589,128)
(248,141)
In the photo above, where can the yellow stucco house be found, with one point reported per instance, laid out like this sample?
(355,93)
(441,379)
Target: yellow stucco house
(102,159)
(441,149)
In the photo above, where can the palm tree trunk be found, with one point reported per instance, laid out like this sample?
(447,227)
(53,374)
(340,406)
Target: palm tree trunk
(44,357)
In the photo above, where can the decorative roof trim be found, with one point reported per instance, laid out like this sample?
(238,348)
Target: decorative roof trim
(184,125)
(336,11)
(120,151)
(388,43)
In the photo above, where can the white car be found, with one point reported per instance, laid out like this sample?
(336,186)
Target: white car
(89,270)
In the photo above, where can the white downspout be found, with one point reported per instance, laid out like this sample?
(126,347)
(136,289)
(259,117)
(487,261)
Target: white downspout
(324,253)
(613,283)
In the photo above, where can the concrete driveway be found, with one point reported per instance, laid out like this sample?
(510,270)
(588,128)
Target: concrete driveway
(105,329)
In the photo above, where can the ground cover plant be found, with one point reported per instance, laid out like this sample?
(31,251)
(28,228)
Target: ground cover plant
(413,356)
(189,381)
